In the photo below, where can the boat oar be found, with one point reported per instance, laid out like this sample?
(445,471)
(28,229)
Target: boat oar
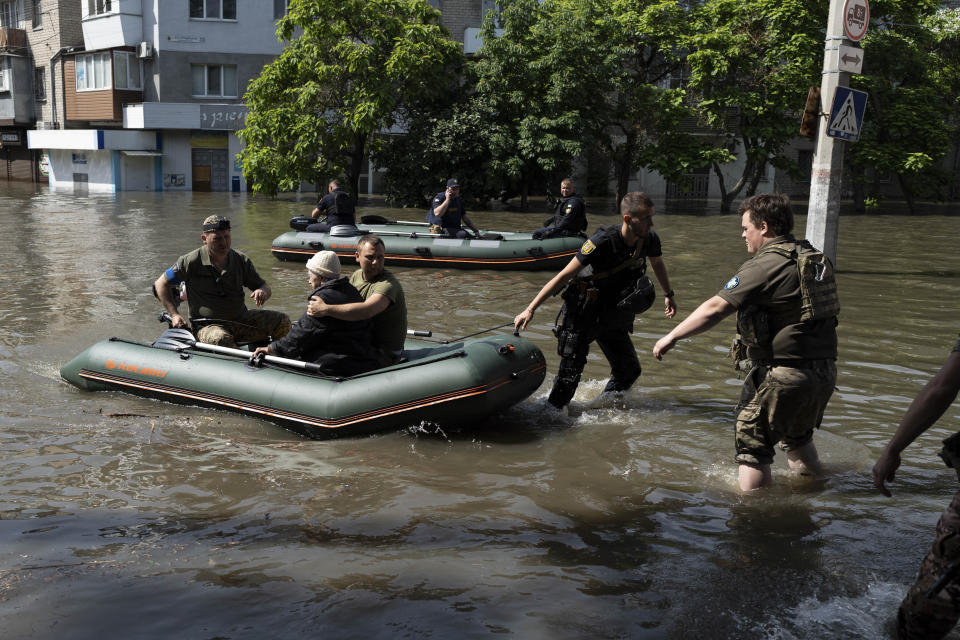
(178,339)
(419,334)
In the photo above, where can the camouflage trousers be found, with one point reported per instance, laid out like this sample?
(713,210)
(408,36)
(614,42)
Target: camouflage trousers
(929,618)
(782,405)
(253,325)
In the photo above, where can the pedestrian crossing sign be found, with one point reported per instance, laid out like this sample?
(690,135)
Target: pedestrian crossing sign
(846,115)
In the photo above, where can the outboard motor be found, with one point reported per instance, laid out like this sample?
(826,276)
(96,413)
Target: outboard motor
(300,223)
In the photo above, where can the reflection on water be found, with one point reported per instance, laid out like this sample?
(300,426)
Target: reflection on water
(126,516)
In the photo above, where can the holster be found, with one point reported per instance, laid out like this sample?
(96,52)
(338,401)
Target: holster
(738,353)
(576,319)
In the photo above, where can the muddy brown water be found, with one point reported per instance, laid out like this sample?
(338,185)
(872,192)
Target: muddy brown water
(129,517)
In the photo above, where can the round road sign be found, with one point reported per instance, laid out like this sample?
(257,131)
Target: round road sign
(856,17)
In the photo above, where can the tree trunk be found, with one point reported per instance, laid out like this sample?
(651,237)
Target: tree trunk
(724,198)
(623,166)
(859,191)
(356,165)
(907,193)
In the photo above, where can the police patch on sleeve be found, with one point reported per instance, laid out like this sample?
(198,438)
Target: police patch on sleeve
(587,247)
(732,283)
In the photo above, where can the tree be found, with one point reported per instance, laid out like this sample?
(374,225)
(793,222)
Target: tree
(349,67)
(751,63)
(445,137)
(912,75)
(644,124)
(566,77)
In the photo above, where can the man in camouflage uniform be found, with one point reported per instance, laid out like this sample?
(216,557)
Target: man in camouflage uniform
(215,276)
(932,605)
(786,304)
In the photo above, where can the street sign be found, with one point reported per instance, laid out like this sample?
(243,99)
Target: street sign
(856,17)
(846,115)
(851,59)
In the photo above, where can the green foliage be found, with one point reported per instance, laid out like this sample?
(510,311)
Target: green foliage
(348,68)
(912,75)
(751,63)
(445,138)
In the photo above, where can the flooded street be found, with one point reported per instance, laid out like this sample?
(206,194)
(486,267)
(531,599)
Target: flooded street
(128,517)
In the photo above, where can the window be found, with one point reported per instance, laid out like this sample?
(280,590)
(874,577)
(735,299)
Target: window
(98,7)
(93,71)
(213,9)
(39,84)
(214,80)
(126,71)
(37,15)
(9,17)
(280,8)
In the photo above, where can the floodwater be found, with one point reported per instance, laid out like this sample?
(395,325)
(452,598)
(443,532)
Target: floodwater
(134,518)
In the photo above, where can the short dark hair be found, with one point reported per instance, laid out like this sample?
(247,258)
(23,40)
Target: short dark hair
(371,239)
(772,208)
(635,202)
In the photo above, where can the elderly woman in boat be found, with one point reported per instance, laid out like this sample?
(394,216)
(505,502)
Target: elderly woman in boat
(339,347)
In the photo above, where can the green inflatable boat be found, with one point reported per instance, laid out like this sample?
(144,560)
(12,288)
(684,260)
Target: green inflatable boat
(449,384)
(411,244)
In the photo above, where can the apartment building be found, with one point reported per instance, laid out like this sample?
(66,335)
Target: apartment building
(154,98)
(148,95)
(33,36)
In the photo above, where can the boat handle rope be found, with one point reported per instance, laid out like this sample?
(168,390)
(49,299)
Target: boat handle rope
(406,365)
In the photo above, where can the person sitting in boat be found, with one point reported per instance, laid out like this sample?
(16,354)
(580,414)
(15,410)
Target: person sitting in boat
(383,301)
(569,217)
(339,347)
(215,276)
(337,207)
(447,214)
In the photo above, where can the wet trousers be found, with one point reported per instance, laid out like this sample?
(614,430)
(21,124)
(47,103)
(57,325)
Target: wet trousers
(934,617)
(254,325)
(617,348)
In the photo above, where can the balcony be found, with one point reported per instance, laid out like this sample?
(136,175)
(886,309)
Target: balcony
(121,26)
(11,38)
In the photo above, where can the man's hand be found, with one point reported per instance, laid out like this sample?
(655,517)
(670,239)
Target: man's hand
(663,345)
(670,307)
(259,297)
(884,471)
(316,307)
(177,321)
(523,319)
(261,351)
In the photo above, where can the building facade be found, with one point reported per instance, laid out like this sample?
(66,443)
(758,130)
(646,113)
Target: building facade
(153,99)
(33,36)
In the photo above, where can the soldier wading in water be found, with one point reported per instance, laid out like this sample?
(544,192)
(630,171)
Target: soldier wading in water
(609,287)
(787,306)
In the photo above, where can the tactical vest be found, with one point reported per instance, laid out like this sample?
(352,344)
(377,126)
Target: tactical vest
(818,295)
(818,287)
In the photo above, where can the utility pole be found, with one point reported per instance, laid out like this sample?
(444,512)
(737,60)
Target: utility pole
(823,210)
(846,25)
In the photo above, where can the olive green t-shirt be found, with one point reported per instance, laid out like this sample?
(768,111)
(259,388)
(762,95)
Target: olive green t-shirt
(390,325)
(217,293)
(771,281)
